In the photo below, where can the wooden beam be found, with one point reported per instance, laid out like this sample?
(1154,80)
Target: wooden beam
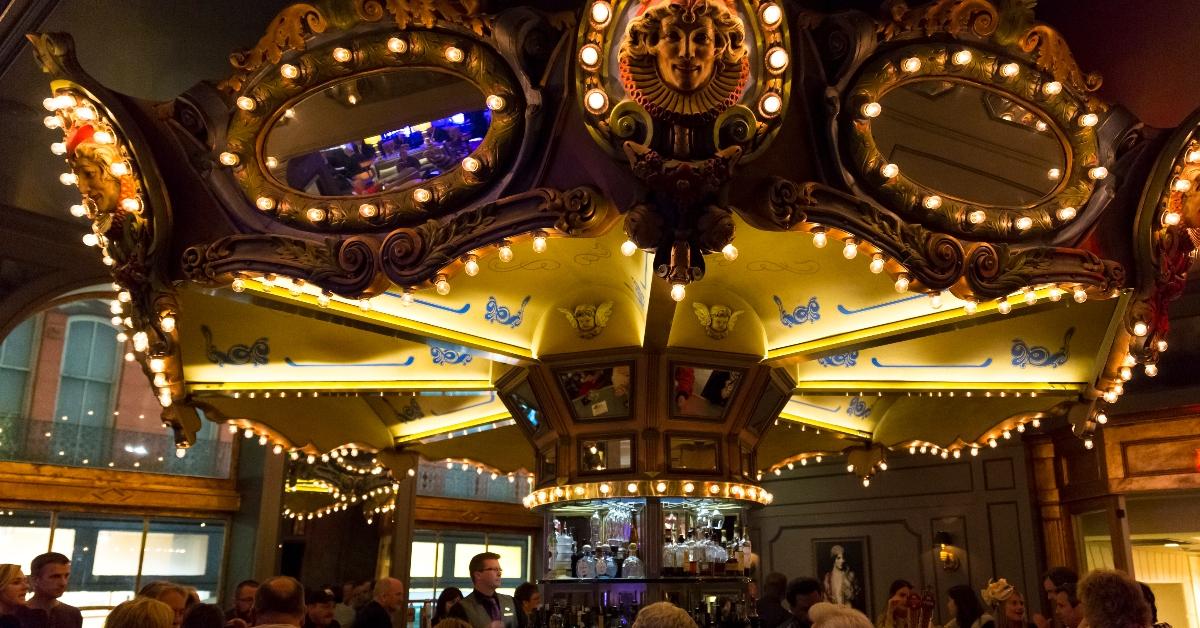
(43,486)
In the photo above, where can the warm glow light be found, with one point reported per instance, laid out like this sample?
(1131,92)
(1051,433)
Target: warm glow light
(78,211)
(877,263)
(911,64)
(228,159)
(422,195)
(1181,185)
(902,283)
(971,306)
(265,203)
(850,248)
(58,148)
(772,14)
(976,217)
(315,214)
(246,103)
(777,59)
(68,178)
(820,238)
(889,170)
(1097,173)
(1140,329)
(1003,306)
(368,210)
(494,102)
(272,163)
(628,248)
(1009,70)
(91,239)
(1051,88)
(962,57)
(688,487)
(397,45)
(471,265)
(540,240)
(1066,213)
(289,71)
(601,13)
(589,56)
(770,104)
(505,252)
(442,284)
(341,55)
(871,110)
(119,168)
(52,122)
(730,252)
(470,164)
(596,101)
(1171,218)
(1079,295)
(678,291)
(167,323)
(1024,223)
(1151,370)
(1089,120)
(455,54)
(1031,297)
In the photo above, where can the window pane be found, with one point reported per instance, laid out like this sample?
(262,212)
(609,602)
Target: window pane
(70,399)
(23,535)
(462,558)
(186,551)
(78,351)
(426,560)
(12,391)
(104,353)
(99,549)
(17,348)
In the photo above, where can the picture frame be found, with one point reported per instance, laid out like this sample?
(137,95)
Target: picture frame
(846,581)
(599,391)
(703,391)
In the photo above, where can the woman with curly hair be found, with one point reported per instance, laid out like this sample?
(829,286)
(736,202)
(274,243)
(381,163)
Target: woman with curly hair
(1111,599)
(1007,605)
(965,608)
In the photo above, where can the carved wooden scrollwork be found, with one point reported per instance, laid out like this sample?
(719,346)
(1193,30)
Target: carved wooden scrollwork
(345,266)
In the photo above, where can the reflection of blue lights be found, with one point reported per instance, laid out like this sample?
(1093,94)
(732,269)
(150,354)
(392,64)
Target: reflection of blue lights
(458,118)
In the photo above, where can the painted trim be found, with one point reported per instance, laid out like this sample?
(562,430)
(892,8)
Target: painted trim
(400,437)
(330,385)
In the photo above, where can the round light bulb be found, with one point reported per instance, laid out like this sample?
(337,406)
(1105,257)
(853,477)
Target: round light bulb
(397,45)
(471,265)
(970,306)
(68,178)
(935,300)
(265,203)
(1009,70)
(505,252)
(85,113)
(628,248)
(1003,306)
(1151,370)
(902,283)
(932,201)
(730,252)
(52,122)
(494,102)
(539,242)
(1126,373)
(455,54)
(1031,297)
(238,284)
(777,59)
(589,56)
(678,291)
(368,210)
(877,263)
(442,284)
(601,13)
(364,305)
(157,365)
(820,238)
(910,64)
(342,55)
(1140,329)
(976,217)
(246,103)
(1180,185)
(596,101)
(1088,120)
(1066,213)
(850,249)
(58,148)
(91,239)
(228,159)
(1161,345)
(770,104)
(1080,295)
(631,487)
(1024,223)
(168,323)
(772,14)
(889,170)
(323,300)
(78,211)
(315,214)
(871,110)
(1051,88)
(422,195)
(962,57)
(470,164)
(1040,125)
(1171,218)
(289,71)
(119,169)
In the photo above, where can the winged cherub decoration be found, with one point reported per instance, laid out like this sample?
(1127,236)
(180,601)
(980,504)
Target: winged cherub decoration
(589,319)
(718,320)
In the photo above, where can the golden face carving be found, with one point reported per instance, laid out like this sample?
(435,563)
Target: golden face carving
(91,165)
(686,53)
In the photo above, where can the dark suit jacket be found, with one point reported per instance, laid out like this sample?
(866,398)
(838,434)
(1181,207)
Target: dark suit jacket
(373,615)
(478,613)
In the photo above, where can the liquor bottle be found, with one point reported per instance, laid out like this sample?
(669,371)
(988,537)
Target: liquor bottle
(633,567)
(747,552)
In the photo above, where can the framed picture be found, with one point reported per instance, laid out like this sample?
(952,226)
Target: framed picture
(843,567)
(702,392)
(599,392)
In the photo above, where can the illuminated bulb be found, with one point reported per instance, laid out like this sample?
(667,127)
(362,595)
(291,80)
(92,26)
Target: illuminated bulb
(368,210)
(246,103)
(91,239)
(455,54)
(265,203)
(1110,397)
(228,159)
(1087,442)
(323,300)
(1151,370)
(539,241)
(68,178)
(397,45)
(791,466)
(442,284)
(1031,297)
(119,169)
(470,164)
(131,204)
(124,296)
(970,306)
(932,201)
(1162,346)
(871,110)
(1088,120)
(364,305)
(631,487)
(678,291)
(238,284)
(877,263)
(935,300)
(160,380)
(52,122)
(122,336)
(315,214)
(164,399)
(976,217)
(772,14)
(272,163)
(422,195)
(1051,88)
(730,252)
(992,443)
(408,298)
(168,324)
(1066,213)
(945,454)
(957,454)
(974,451)
(818,459)
(962,57)
(58,148)
(628,248)
(1079,295)
(1007,435)
(1129,360)
(289,71)
(804,462)
(495,102)
(341,55)
(471,265)
(1009,70)
(902,282)
(1140,329)
(911,64)
(866,482)
(1040,125)
(889,170)
(688,487)
(820,238)
(1101,418)
(849,468)
(1098,173)
(596,101)
(1003,306)
(714,489)
(771,104)
(1180,185)
(1171,218)
(1024,223)
(850,250)
(589,56)
(605,488)
(601,13)
(85,113)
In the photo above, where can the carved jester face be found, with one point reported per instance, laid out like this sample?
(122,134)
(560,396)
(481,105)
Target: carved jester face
(686,52)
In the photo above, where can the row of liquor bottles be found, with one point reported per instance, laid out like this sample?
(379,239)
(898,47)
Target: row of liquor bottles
(721,612)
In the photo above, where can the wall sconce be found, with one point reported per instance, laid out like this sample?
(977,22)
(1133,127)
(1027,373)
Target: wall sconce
(944,542)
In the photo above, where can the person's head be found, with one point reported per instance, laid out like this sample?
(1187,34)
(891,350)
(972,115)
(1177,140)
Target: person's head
(389,592)
(527,597)
(203,616)
(802,593)
(140,612)
(485,572)
(318,604)
(663,615)
(1111,599)
(449,597)
(243,597)
(13,587)
(169,593)
(1056,577)
(279,600)
(1066,604)
(775,586)
(898,594)
(49,574)
(826,615)
(1148,595)
(838,554)
(963,604)
(348,591)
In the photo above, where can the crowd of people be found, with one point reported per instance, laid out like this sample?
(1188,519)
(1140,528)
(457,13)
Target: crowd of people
(1101,599)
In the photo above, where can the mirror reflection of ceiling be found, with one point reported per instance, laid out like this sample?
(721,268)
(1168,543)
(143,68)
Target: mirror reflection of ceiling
(969,143)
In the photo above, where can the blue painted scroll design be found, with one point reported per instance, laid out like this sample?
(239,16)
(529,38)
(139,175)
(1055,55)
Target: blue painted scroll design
(291,362)
(808,313)
(496,313)
(848,359)
(447,354)
(254,354)
(850,312)
(1024,355)
(858,408)
(463,309)
(982,365)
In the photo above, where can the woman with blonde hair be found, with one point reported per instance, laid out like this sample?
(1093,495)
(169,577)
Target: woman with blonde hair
(1007,605)
(13,589)
(140,612)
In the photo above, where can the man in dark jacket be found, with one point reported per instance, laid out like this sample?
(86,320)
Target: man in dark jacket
(771,612)
(484,607)
(389,597)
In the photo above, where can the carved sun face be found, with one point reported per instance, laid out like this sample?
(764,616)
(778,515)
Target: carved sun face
(96,183)
(686,53)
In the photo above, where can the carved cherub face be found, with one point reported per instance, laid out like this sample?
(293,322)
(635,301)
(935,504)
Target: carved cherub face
(585,317)
(686,52)
(720,318)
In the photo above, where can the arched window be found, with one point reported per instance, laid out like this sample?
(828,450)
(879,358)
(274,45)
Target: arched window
(16,356)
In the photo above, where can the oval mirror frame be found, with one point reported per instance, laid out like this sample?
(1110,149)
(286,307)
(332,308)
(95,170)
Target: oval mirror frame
(306,73)
(1073,120)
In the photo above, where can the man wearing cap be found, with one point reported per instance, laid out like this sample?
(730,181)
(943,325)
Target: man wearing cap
(319,613)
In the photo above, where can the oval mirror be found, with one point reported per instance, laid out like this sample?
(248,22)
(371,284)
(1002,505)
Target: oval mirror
(382,132)
(966,142)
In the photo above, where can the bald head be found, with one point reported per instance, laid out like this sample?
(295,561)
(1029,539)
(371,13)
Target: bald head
(279,600)
(389,592)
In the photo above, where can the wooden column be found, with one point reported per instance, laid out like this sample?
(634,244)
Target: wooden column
(266,540)
(1118,531)
(403,526)
(1058,536)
